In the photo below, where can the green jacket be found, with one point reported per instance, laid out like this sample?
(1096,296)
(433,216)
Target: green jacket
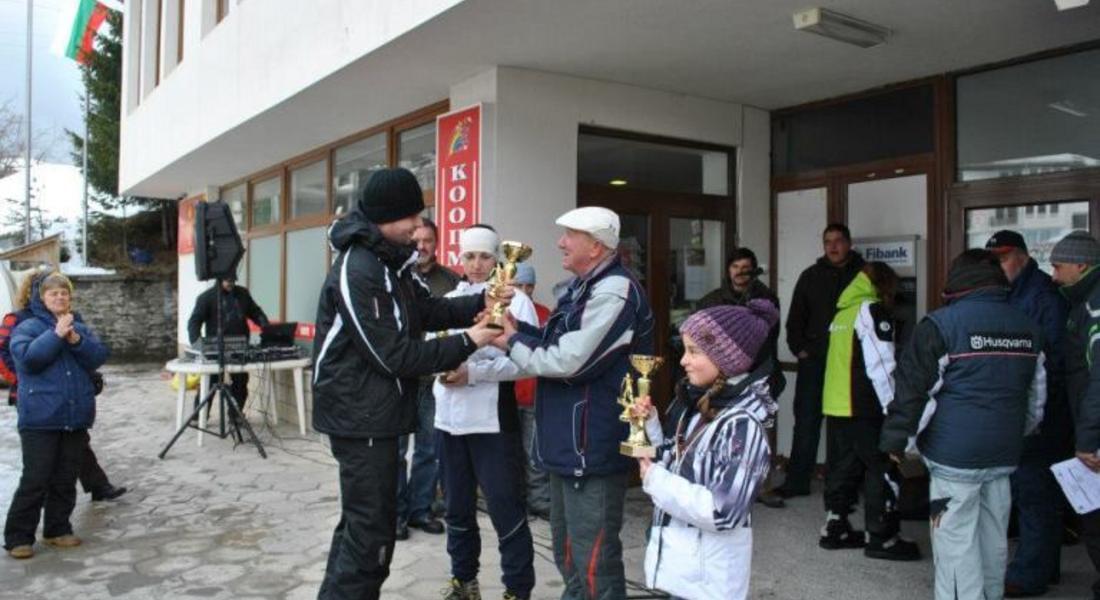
(859,368)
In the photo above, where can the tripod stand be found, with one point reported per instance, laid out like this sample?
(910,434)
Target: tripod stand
(224,393)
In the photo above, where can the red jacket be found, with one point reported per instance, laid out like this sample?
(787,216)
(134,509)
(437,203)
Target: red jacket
(525,388)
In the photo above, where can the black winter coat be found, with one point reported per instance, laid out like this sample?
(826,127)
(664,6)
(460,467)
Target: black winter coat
(369,349)
(238,307)
(813,304)
(1082,366)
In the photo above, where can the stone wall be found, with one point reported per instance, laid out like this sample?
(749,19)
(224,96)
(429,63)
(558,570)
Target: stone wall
(135,315)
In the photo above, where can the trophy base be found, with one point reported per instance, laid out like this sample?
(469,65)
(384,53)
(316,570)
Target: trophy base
(628,449)
(492,325)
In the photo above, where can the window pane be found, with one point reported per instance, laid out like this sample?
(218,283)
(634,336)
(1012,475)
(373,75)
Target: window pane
(263,266)
(416,152)
(605,160)
(887,125)
(305,273)
(234,197)
(265,201)
(1036,117)
(307,190)
(1041,228)
(354,165)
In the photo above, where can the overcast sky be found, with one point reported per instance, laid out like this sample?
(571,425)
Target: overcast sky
(56,104)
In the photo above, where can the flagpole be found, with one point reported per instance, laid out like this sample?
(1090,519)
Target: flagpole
(84,240)
(27,156)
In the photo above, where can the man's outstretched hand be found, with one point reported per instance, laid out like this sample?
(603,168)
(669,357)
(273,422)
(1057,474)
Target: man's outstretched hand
(481,334)
(506,334)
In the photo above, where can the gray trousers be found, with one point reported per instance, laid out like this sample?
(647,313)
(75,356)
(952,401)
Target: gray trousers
(538,482)
(586,515)
(969,536)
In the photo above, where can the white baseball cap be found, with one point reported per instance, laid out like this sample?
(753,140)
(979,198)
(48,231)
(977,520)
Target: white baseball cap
(597,221)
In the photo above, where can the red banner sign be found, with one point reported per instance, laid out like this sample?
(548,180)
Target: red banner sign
(457,178)
(185,238)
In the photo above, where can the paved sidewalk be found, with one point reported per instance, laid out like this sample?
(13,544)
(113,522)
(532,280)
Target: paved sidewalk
(220,522)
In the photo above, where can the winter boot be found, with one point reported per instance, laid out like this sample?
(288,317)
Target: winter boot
(462,590)
(837,534)
(895,548)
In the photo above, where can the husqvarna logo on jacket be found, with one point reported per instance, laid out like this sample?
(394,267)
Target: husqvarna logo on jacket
(1000,342)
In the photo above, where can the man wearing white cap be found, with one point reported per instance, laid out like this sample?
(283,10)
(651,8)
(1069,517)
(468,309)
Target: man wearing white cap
(580,358)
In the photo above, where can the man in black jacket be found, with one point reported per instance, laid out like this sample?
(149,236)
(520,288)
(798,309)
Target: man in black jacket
(237,308)
(813,306)
(1076,262)
(744,284)
(368,354)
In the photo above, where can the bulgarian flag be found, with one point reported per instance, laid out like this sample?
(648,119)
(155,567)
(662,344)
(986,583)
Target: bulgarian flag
(75,35)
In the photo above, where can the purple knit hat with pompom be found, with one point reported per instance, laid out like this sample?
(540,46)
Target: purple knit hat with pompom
(732,335)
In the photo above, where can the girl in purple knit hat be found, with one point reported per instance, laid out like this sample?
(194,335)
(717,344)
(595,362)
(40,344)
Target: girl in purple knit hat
(712,456)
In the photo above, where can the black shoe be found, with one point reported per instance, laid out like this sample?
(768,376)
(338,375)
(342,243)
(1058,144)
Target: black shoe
(837,534)
(784,492)
(402,532)
(429,525)
(895,548)
(108,492)
(1015,591)
(771,500)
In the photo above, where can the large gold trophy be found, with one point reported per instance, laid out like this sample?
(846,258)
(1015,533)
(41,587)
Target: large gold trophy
(637,444)
(513,253)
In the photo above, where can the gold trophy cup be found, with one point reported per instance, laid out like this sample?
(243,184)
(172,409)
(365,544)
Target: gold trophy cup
(637,444)
(513,253)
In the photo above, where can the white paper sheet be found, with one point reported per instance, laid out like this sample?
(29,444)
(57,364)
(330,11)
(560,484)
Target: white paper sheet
(1081,486)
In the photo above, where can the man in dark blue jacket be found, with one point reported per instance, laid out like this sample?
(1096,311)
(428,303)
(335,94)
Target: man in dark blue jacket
(580,357)
(1035,493)
(969,388)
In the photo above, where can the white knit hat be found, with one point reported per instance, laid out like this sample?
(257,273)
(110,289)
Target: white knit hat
(478,239)
(596,221)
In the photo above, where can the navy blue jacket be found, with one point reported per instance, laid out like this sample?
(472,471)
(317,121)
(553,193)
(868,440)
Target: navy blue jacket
(980,360)
(56,392)
(580,358)
(1036,294)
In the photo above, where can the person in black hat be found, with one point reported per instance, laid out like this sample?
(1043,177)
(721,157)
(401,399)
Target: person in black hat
(238,308)
(970,388)
(368,354)
(1035,493)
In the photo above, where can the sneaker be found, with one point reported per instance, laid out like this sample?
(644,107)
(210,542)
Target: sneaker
(21,552)
(402,533)
(514,596)
(895,548)
(458,590)
(63,541)
(109,492)
(430,525)
(837,534)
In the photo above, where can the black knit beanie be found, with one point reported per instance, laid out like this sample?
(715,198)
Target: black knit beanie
(391,195)
(974,269)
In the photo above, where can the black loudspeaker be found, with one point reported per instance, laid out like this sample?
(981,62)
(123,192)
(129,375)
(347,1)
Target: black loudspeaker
(218,247)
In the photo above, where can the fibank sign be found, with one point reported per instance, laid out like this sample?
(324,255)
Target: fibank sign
(896,253)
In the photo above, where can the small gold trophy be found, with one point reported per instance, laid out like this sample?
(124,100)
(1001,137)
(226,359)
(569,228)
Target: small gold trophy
(637,444)
(514,253)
